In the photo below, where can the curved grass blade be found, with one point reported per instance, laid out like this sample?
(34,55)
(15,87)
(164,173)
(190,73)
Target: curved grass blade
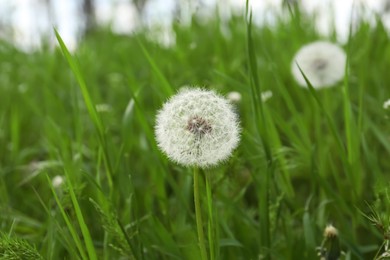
(90,106)
(83,226)
(68,223)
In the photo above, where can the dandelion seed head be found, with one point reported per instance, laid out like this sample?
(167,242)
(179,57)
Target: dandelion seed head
(197,127)
(323,63)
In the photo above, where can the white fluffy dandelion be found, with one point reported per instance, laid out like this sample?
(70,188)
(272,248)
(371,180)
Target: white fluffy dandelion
(323,63)
(197,127)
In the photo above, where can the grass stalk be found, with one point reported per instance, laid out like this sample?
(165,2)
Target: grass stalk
(80,218)
(262,129)
(90,107)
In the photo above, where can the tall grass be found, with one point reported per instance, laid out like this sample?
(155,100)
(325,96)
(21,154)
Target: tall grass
(306,159)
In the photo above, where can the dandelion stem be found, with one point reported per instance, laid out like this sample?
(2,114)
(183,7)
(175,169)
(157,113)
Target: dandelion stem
(211,227)
(198,213)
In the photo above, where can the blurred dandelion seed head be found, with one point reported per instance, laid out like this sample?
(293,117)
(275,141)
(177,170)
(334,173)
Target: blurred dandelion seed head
(323,63)
(197,127)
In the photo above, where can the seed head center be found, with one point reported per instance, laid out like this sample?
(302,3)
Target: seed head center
(198,126)
(320,64)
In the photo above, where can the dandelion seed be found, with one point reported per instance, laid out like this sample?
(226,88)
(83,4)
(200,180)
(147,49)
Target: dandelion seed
(197,127)
(103,108)
(323,63)
(386,104)
(22,88)
(234,97)
(35,168)
(57,181)
(266,95)
(193,45)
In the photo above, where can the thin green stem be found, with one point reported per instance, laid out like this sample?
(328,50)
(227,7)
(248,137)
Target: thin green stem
(198,213)
(264,216)
(211,227)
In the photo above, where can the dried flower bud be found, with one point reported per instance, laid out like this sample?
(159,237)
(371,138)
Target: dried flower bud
(330,232)
(330,247)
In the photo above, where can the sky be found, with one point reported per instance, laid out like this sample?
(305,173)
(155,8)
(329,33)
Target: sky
(31,19)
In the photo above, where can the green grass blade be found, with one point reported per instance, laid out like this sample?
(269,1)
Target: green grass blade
(211,226)
(90,106)
(166,86)
(72,230)
(83,226)
(264,184)
(54,234)
(87,97)
(328,118)
(353,141)
(343,153)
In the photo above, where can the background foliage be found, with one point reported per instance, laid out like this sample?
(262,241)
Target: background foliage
(124,199)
